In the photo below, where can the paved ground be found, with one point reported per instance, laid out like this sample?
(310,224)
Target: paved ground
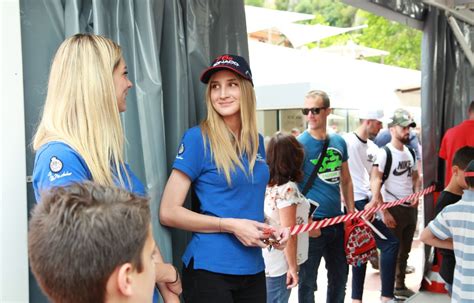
(372,281)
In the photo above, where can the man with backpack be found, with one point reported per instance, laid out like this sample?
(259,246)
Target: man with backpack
(394,177)
(362,154)
(326,176)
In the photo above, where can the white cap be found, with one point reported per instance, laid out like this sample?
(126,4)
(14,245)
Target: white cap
(371,114)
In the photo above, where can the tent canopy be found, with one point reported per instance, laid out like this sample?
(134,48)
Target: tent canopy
(286,74)
(259,18)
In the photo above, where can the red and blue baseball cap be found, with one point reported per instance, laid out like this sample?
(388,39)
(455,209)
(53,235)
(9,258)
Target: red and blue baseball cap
(234,63)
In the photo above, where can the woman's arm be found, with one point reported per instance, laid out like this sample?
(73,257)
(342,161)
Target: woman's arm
(167,279)
(174,214)
(288,219)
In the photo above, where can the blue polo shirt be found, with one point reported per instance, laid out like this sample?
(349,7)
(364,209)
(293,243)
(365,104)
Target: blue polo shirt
(57,164)
(325,189)
(243,199)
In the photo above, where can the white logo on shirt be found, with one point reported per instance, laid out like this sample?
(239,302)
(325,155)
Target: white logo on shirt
(260,158)
(180,151)
(52,177)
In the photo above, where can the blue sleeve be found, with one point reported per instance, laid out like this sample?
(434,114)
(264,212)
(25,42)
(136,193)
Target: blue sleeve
(345,154)
(382,138)
(137,186)
(261,146)
(190,156)
(440,227)
(339,143)
(414,145)
(57,165)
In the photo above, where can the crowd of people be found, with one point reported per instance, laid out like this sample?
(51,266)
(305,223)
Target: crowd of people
(90,235)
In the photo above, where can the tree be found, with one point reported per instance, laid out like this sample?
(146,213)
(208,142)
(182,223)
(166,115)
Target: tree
(403,42)
(258,3)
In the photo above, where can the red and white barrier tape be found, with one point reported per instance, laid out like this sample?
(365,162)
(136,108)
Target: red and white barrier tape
(298,229)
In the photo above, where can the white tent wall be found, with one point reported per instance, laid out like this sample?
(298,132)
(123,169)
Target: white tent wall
(13,206)
(350,83)
(447,87)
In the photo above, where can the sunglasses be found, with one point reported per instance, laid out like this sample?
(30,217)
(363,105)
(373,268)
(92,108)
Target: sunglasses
(313,110)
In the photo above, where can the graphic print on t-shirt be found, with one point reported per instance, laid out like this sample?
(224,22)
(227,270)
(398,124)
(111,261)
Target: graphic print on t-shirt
(371,157)
(402,168)
(330,170)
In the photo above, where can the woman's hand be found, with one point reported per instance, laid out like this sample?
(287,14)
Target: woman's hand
(167,295)
(281,235)
(175,286)
(291,278)
(248,232)
(166,276)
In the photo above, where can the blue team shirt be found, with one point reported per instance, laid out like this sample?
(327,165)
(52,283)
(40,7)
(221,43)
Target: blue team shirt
(223,252)
(325,189)
(57,164)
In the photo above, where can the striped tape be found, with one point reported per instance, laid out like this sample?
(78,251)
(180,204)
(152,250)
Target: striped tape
(298,229)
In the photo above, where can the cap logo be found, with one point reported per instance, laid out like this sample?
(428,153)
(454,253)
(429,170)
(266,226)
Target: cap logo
(225,57)
(223,62)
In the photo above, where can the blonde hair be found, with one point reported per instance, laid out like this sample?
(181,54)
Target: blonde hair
(319,93)
(81,107)
(226,148)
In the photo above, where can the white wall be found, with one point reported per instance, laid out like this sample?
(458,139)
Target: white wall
(13,201)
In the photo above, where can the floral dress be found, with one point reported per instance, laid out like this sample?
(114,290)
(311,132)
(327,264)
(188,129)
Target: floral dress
(277,197)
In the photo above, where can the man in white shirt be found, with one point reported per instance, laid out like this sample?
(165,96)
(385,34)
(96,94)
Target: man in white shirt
(362,154)
(400,182)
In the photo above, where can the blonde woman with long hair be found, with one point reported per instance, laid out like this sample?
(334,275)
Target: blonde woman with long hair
(223,159)
(80,136)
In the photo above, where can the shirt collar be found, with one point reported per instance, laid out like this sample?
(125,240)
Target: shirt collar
(468,195)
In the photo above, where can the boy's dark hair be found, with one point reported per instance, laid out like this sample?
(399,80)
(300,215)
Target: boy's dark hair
(79,234)
(471,107)
(463,156)
(285,159)
(470,180)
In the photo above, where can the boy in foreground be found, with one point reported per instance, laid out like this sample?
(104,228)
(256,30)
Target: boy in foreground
(92,243)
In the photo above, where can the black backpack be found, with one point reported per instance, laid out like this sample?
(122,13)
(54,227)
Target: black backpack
(388,164)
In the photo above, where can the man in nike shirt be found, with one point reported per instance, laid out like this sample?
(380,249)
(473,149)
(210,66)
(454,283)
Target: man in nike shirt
(362,154)
(400,183)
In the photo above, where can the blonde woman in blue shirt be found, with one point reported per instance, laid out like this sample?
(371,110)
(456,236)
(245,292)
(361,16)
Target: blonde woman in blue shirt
(223,159)
(80,135)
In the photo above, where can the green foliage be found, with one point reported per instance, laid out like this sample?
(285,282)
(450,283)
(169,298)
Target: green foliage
(258,3)
(403,43)
(305,7)
(282,5)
